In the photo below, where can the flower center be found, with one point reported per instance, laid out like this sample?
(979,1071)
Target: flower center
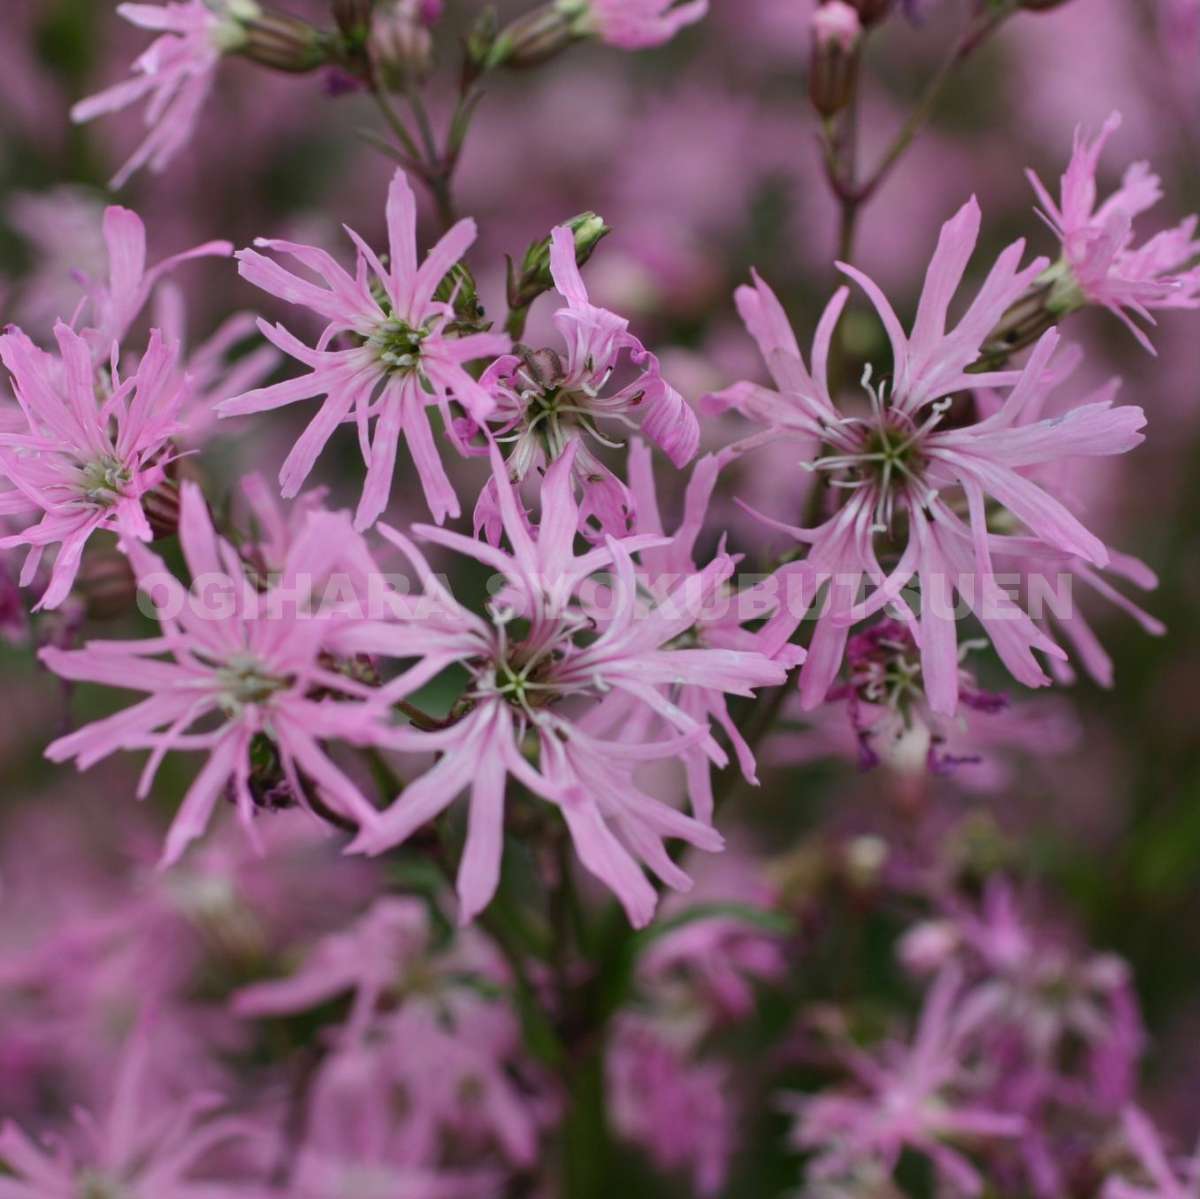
(103,481)
(244,681)
(882,453)
(398,345)
(100,1186)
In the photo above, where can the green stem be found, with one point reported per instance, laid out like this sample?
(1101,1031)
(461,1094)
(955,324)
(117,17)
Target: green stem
(974,36)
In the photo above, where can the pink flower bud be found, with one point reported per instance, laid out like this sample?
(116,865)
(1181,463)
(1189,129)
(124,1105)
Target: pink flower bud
(836,24)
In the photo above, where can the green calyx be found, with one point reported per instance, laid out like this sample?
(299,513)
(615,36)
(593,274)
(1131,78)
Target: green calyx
(103,482)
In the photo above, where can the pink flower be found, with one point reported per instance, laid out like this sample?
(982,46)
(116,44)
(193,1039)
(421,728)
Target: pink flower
(907,1097)
(896,462)
(1100,264)
(176,73)
(673,1103)
(371,959)
(242,658)
(720,628)
(1158,1178)
(545,402)
(421,1025)
(400,355)
(143,1148)
(632,24)
(115,303)
(538,672)
(84,464)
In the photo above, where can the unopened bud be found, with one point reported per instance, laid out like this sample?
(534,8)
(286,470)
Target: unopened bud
(353,18)
(161,506)
(837,36)
(533,38)
(284,43)
(106,585)
(458,288)
(478,46)
(400,45)
(1054,294)
(533,278)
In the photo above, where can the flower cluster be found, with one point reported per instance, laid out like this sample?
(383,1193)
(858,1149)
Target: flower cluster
(592,757)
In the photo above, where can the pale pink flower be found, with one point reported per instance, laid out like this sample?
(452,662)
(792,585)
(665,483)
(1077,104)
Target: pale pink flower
(896,461)
(906,1097)
(228,652)
(399,357)
(175,74)
(83,462)
(721,627)
(545,682)
(143,1148)
(546,401)
(632,24)
(1100,264)
(1157,1177)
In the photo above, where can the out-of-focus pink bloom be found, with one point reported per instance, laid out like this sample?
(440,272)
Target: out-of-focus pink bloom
(1031,980)
(84,464)
(370,959)
(175,74)
(545,402)
(907,1097)
(896,460)
(675,1105)
(632,24)
(116,302)
(1100,264)
(422,1025)
(401,355)
(62,231)
(1157,1177)
(235,654)
(144,1148)
(717,958)
(548,682)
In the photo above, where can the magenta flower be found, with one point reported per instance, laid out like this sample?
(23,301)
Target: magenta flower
(400,355)
(143,1148)
(632,24)
(1157,1177)
(539,675)
(175,74)
(1100,264)
(907,1097)
(545,402)
(895,470)
(84,463)
(252,662)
